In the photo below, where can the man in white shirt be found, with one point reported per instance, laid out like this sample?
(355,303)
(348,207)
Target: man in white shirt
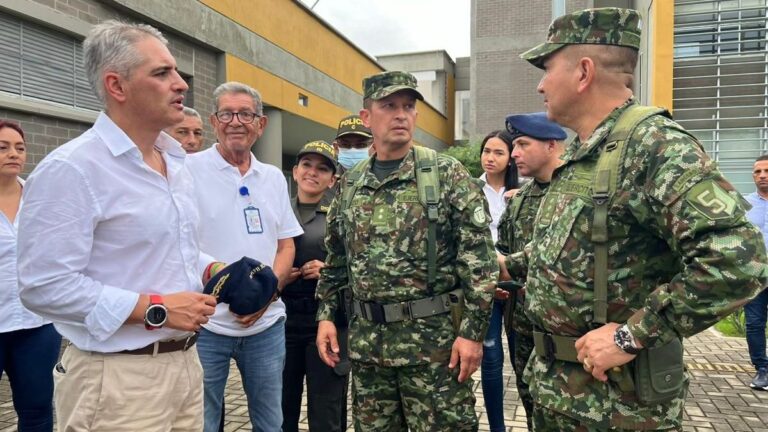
(188,132)
(245,210)
(108,248)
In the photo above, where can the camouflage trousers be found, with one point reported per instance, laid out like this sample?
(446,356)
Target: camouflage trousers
(523,349)
(418,398)
(545,420)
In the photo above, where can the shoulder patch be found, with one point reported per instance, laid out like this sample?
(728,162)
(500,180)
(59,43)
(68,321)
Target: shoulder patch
(711,200)
(478,217)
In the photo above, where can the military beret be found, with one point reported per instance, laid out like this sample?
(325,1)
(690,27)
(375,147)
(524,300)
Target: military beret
(247,285)
(384,84)
(534,125)
(603,26)
(321,148)
(352,125)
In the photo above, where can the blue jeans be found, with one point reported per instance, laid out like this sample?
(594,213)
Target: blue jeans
(492,366)
(260,359)
(27,357)
(756,313)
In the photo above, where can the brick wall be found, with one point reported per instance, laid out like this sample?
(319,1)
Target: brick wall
(42,134)
(502,83)
(46,133)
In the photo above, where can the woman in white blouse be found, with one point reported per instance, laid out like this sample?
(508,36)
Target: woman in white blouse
(29,345)
(500,178)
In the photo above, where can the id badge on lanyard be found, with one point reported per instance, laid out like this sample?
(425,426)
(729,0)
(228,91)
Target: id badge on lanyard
(252,214)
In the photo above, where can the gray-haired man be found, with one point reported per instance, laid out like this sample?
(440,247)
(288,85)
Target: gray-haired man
(108,248)
(188,132)
(245,210)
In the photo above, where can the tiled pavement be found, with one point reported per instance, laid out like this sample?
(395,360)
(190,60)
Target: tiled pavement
(719,398)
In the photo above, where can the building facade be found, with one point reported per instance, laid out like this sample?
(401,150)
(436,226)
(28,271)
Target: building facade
(721,80)
(704,60)
(309,75)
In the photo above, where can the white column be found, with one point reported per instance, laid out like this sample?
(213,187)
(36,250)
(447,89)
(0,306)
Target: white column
(269,148)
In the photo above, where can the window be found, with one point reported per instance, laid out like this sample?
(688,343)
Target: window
(721,81)
(39,63)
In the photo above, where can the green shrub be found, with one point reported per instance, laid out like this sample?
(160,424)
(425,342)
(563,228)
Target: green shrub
(469,156)
(733,325)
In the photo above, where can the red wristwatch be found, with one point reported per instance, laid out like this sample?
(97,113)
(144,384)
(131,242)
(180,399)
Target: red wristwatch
(156,313)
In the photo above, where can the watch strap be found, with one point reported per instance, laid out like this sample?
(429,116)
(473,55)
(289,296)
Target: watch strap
(155,299)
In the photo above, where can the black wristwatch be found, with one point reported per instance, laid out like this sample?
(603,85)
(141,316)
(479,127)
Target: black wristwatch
(625,341)
(156,313)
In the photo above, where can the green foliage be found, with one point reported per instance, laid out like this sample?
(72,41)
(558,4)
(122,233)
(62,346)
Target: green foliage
(733,325)
(469,156)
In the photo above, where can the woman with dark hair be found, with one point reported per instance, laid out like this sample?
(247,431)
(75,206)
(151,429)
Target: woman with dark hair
(29,345)
(326,390)
(500,178)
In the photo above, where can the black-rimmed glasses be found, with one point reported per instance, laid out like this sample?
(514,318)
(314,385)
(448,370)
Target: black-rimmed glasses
(245,117)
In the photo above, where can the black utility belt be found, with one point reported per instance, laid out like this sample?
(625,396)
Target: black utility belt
(382,313)
(656,375)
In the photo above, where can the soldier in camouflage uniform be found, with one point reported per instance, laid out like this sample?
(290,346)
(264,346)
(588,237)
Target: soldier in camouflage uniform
(404,355)
(538,147)
(676,250)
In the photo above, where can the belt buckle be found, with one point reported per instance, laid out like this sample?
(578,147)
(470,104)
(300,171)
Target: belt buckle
(375,312)
(187,341)
(408,310)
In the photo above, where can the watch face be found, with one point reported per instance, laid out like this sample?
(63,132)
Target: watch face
(623,339)
(156,315)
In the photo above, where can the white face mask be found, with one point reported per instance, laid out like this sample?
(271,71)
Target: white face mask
(350,157)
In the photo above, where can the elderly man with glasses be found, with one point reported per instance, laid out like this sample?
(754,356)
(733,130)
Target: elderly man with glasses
(244,211)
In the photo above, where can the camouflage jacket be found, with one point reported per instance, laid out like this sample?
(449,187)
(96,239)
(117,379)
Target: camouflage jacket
(682,255)
(516,231)
(378,245)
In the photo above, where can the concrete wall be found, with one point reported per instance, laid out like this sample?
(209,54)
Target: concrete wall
(501,82)
(287,54)
(439,91)
(49,125)
(283,49)
(462,73)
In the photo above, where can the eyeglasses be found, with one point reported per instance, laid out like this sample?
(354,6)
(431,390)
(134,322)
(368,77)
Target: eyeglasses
(245,117)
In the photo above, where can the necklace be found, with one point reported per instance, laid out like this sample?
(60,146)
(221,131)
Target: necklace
(160,161)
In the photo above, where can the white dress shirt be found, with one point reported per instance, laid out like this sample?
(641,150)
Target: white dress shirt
(224,232)
(99,227)
(14,315)
(496,205)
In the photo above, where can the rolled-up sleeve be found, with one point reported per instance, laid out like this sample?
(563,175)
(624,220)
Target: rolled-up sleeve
(56,228)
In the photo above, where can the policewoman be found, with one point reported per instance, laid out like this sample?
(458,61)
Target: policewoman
(314,174)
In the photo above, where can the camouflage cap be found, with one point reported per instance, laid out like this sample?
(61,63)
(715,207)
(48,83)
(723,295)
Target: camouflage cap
(321,148)
(353,125)
(603,26)
(384,84)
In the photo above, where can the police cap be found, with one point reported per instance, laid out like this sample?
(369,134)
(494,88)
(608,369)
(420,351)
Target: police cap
(321,148)
(352,125)
(247,285)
